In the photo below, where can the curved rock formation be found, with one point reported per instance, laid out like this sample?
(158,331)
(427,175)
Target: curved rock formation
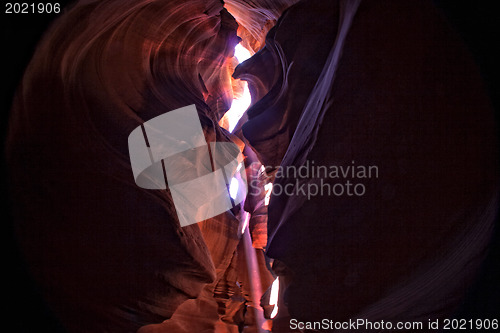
(398,92)
(108,255)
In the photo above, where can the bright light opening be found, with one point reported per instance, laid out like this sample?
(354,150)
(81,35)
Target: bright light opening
(273,298)
(234,185)
(269,189)
(246,220)
(241,53)
(240,104)
(233,188)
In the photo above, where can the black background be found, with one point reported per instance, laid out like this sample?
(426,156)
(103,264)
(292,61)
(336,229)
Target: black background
(476,21)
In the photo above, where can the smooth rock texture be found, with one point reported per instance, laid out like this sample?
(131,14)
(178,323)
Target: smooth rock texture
(398,91)
(106,254)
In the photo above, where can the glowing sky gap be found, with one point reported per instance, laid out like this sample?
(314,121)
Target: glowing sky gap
(241,104)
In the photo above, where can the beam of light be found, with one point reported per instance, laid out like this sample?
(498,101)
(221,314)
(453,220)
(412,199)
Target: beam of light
(253,272)
(273,298)
(240,104)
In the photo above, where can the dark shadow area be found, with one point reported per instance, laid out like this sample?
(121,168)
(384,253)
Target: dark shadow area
(26,309)
(477,25)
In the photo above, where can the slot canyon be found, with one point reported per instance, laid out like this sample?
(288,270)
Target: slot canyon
(369,145)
